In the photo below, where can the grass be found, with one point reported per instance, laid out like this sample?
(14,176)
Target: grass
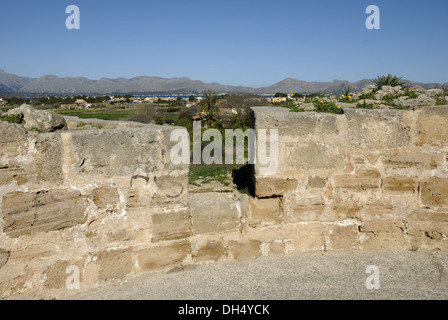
(11,118)
(209,174)
(108,114)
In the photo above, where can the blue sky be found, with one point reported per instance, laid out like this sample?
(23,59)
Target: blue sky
(238,42)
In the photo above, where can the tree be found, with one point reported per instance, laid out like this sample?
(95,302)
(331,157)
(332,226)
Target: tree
(209,108)
(280,94)
(192,98)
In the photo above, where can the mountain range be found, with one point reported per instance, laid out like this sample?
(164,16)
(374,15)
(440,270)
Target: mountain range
(11,84)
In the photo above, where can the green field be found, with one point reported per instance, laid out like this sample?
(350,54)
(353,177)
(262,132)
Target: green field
(107,114)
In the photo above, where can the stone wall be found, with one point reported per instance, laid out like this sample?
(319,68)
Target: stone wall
(107,201)
(366,179)
(112,204)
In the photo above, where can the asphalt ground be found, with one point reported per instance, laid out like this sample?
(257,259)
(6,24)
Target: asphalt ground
(336,275)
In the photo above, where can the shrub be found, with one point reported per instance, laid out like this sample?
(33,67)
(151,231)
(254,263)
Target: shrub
(160,120)
(389,80)
(388,99)
(411,94)
(367,96)
(327,107)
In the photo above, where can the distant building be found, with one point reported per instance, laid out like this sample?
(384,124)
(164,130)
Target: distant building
(277,99)
(80,102)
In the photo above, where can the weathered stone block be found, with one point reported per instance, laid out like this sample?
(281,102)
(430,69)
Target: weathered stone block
(376,129)
(4,257)
(118,152)
(414,159)
(105,197)
(383,235)
(165,256)
(115,264)
(35,251)
(49,157)
(25,213)
(343,237)
(212,212)
(433,126)
(363,179)
(10,175)
(428,230)
(56,275)
(308,237)
(264,211)
(316,182)
(313,156)
(170,225)
(376,226)
(434,193)
(277,247)
(291,123)
(13,139)
(400,184)
(211,251)
(170,189)
(306,209)
(246,249)
(268,187)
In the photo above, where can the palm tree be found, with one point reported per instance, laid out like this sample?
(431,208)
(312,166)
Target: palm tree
(209,109)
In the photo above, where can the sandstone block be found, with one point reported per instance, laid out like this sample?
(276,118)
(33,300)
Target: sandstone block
(433,126)
(212,212)
(264,211)
(306,209)
(277,247)
(413,160)
(316,182)
(247,249)
(115,264)
(363,179)
(56,275)
(343,237)
(11,174)
(434,193)
(308,237)
(170,189)
(164,256)
(118,152)
(313,156)
(170,225)
(25,213)
(268,187)
(376,129)
(400,184)
(104,197)
(4,257)
(49,157)
(211,251)
(13,139)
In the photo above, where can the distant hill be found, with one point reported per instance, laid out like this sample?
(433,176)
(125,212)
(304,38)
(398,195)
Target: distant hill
(11,84)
